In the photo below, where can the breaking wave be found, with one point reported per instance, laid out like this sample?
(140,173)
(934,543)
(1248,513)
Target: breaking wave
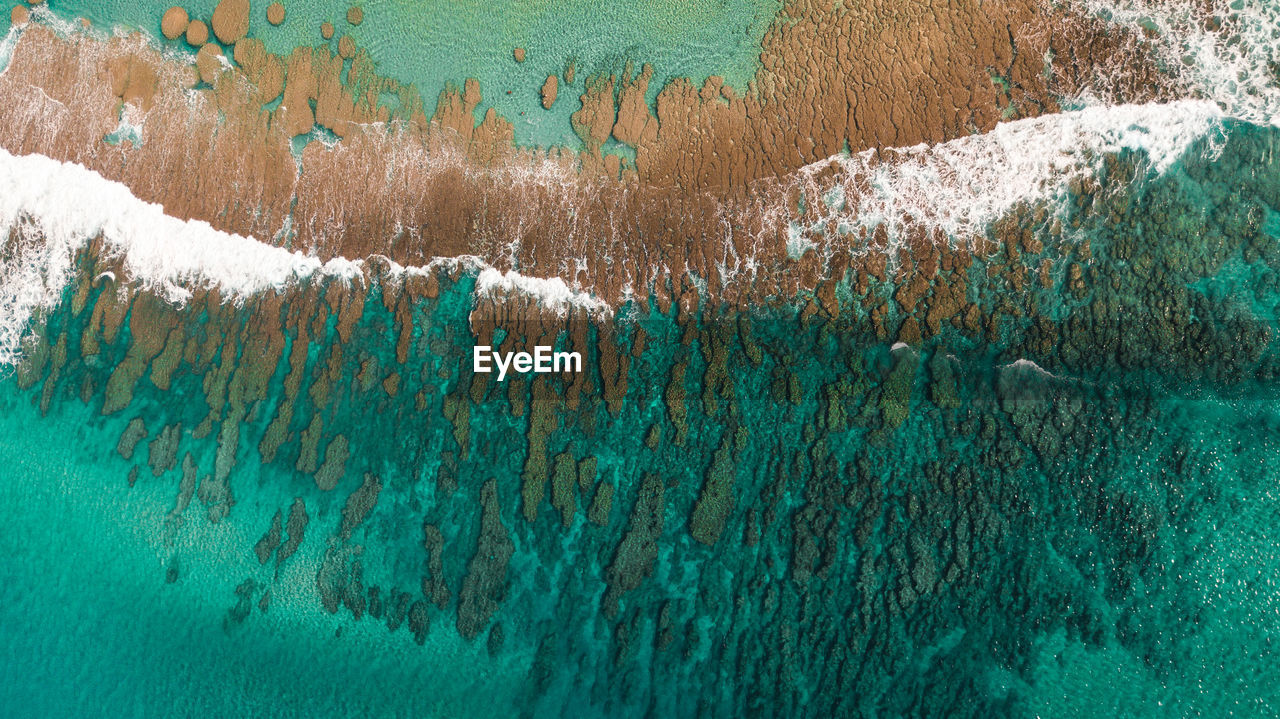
(1224,51)
(49,210)
(961,187)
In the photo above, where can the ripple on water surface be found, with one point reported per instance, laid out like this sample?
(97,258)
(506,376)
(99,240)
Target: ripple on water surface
(433,42)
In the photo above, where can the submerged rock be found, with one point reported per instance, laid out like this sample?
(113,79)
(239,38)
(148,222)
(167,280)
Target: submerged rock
(174,22)
(549,90)
(485,584)
(197,33)
(635,556)
(230,21)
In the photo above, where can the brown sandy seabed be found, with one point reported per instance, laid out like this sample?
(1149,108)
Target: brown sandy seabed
(718,173)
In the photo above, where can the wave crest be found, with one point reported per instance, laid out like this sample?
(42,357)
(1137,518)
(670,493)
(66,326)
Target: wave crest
(50,210)
(1226,51)
(962,186)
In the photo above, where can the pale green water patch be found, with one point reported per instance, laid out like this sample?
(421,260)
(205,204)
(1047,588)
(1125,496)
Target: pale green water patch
(438,41)
(111,637)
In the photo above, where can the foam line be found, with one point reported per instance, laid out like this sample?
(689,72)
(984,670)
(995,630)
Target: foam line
(1223,50)
(49,210)
(962,186)
(7,44)
(551,293)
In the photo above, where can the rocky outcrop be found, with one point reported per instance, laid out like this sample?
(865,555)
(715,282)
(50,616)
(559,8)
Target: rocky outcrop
(174,22)
(549,90)
(230,21)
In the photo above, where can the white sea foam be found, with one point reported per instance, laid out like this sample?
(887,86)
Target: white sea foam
(1027,365)
(50,209)
(55,208)
(1227,51)
(64,27)
(961,186)
(958,188)
(7,45)
(551,293)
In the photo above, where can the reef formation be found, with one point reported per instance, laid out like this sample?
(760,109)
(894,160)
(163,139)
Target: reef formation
(921,373)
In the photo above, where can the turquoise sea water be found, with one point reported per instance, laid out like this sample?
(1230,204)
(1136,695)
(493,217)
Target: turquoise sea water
(430,43)
(102,637)
(804,519)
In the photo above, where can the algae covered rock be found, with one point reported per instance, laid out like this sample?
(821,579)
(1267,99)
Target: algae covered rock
(230,21)
(484,586)
(174,22)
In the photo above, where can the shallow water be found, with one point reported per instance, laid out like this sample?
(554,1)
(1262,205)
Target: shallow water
(976,526)
(432,43)
(1070,506)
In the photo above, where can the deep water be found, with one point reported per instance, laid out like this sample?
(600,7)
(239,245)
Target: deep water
(1069,507)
